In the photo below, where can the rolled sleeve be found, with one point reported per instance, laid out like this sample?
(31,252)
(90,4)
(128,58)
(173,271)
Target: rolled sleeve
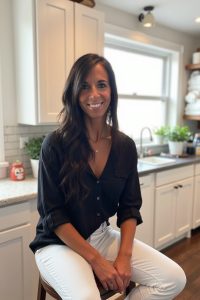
(130,202)
(54,219)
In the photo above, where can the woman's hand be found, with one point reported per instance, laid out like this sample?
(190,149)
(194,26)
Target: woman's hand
(108,275)
(123,266)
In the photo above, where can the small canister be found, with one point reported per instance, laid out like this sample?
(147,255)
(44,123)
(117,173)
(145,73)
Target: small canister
(197,143)
(17,171)
(196,57)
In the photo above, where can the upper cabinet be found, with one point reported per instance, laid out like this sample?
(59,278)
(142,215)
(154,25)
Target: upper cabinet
(49,36)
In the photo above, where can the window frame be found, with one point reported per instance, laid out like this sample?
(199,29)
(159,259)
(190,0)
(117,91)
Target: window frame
(146,52)
(114,34)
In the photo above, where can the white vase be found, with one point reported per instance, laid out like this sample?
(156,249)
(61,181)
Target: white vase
(176,148)
(35,165)
(158,139)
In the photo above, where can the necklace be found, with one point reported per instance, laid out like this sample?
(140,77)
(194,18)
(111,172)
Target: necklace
(99,142)
(95,142)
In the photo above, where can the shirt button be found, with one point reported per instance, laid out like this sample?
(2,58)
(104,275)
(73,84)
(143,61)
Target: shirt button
(98,214)
(98,181)
(98,198)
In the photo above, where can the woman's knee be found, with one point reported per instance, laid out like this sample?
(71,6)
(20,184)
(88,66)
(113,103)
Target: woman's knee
(174,282)
(179,279)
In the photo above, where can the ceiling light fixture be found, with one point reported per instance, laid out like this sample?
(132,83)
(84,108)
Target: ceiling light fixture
(148,19)
(197,20)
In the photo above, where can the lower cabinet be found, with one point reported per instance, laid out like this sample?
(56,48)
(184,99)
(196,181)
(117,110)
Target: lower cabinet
(173,205)
(18,274)
(14,263)
(145,231)
(196,206)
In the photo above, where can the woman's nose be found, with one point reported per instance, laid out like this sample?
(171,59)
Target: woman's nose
(94,93)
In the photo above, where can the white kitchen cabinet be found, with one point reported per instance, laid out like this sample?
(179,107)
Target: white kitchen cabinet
(145,231)
(173,204)
(196,206)
(49,35)
(15,232)
(184,201)
(18,271)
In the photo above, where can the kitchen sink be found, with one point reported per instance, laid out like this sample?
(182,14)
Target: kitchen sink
(156,160)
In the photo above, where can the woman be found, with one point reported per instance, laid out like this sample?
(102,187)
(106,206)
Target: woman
(87,173)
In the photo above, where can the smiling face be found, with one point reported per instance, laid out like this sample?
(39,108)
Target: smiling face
(95,93)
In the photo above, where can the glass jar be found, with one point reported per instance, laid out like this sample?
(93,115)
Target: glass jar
(197,143)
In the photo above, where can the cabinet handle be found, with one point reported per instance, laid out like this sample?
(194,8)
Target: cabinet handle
(180,185)
(141,184)
(176,187)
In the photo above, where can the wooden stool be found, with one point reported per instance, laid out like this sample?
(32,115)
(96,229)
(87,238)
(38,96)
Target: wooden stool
(44,287)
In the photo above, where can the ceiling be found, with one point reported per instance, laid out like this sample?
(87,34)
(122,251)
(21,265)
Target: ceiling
(176,14)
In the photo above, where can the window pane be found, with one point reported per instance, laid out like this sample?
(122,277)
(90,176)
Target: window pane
(136,74)
(135,114)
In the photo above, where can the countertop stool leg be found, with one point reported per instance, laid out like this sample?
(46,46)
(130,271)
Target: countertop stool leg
(43,288)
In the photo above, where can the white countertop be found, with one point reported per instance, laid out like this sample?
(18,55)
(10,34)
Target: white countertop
(17,191)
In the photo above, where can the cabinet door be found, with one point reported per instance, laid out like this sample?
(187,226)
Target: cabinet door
(165,206)
(145,231)
(14,272)
(55,37)
(184,206)
(196,206)
(89,30)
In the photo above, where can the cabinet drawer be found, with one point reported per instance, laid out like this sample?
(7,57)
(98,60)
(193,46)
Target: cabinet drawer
(14,215)
(146,180)
(197,169)
(169,176)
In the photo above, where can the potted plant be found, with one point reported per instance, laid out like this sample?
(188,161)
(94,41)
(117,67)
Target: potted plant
(159,134)
(177,135)
(32,148)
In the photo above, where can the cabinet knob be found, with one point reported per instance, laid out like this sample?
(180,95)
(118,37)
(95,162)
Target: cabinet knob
(180,185)
(176,187)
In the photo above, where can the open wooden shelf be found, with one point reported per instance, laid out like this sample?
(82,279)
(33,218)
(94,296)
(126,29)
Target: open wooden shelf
(192,117)
(193,67)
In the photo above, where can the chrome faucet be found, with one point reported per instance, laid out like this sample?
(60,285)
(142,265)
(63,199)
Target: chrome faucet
(141,153)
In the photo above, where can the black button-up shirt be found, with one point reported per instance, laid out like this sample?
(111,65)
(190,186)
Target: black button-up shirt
(117,190)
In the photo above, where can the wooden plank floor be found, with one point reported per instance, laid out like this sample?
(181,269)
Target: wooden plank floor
(187,254)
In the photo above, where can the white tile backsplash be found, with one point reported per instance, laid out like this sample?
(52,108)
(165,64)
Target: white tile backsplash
(12,147)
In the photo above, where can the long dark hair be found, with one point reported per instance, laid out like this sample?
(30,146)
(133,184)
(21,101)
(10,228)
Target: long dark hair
(72,128)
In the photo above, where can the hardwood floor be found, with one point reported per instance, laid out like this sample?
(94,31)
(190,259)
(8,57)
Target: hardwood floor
(187,254)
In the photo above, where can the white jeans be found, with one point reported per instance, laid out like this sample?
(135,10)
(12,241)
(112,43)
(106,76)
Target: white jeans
(158,277)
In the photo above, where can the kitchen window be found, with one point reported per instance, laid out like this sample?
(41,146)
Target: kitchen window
(144,75)
(142,87)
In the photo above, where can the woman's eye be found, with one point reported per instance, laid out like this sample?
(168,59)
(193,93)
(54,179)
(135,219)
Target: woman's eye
(102,85)
(85,86)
